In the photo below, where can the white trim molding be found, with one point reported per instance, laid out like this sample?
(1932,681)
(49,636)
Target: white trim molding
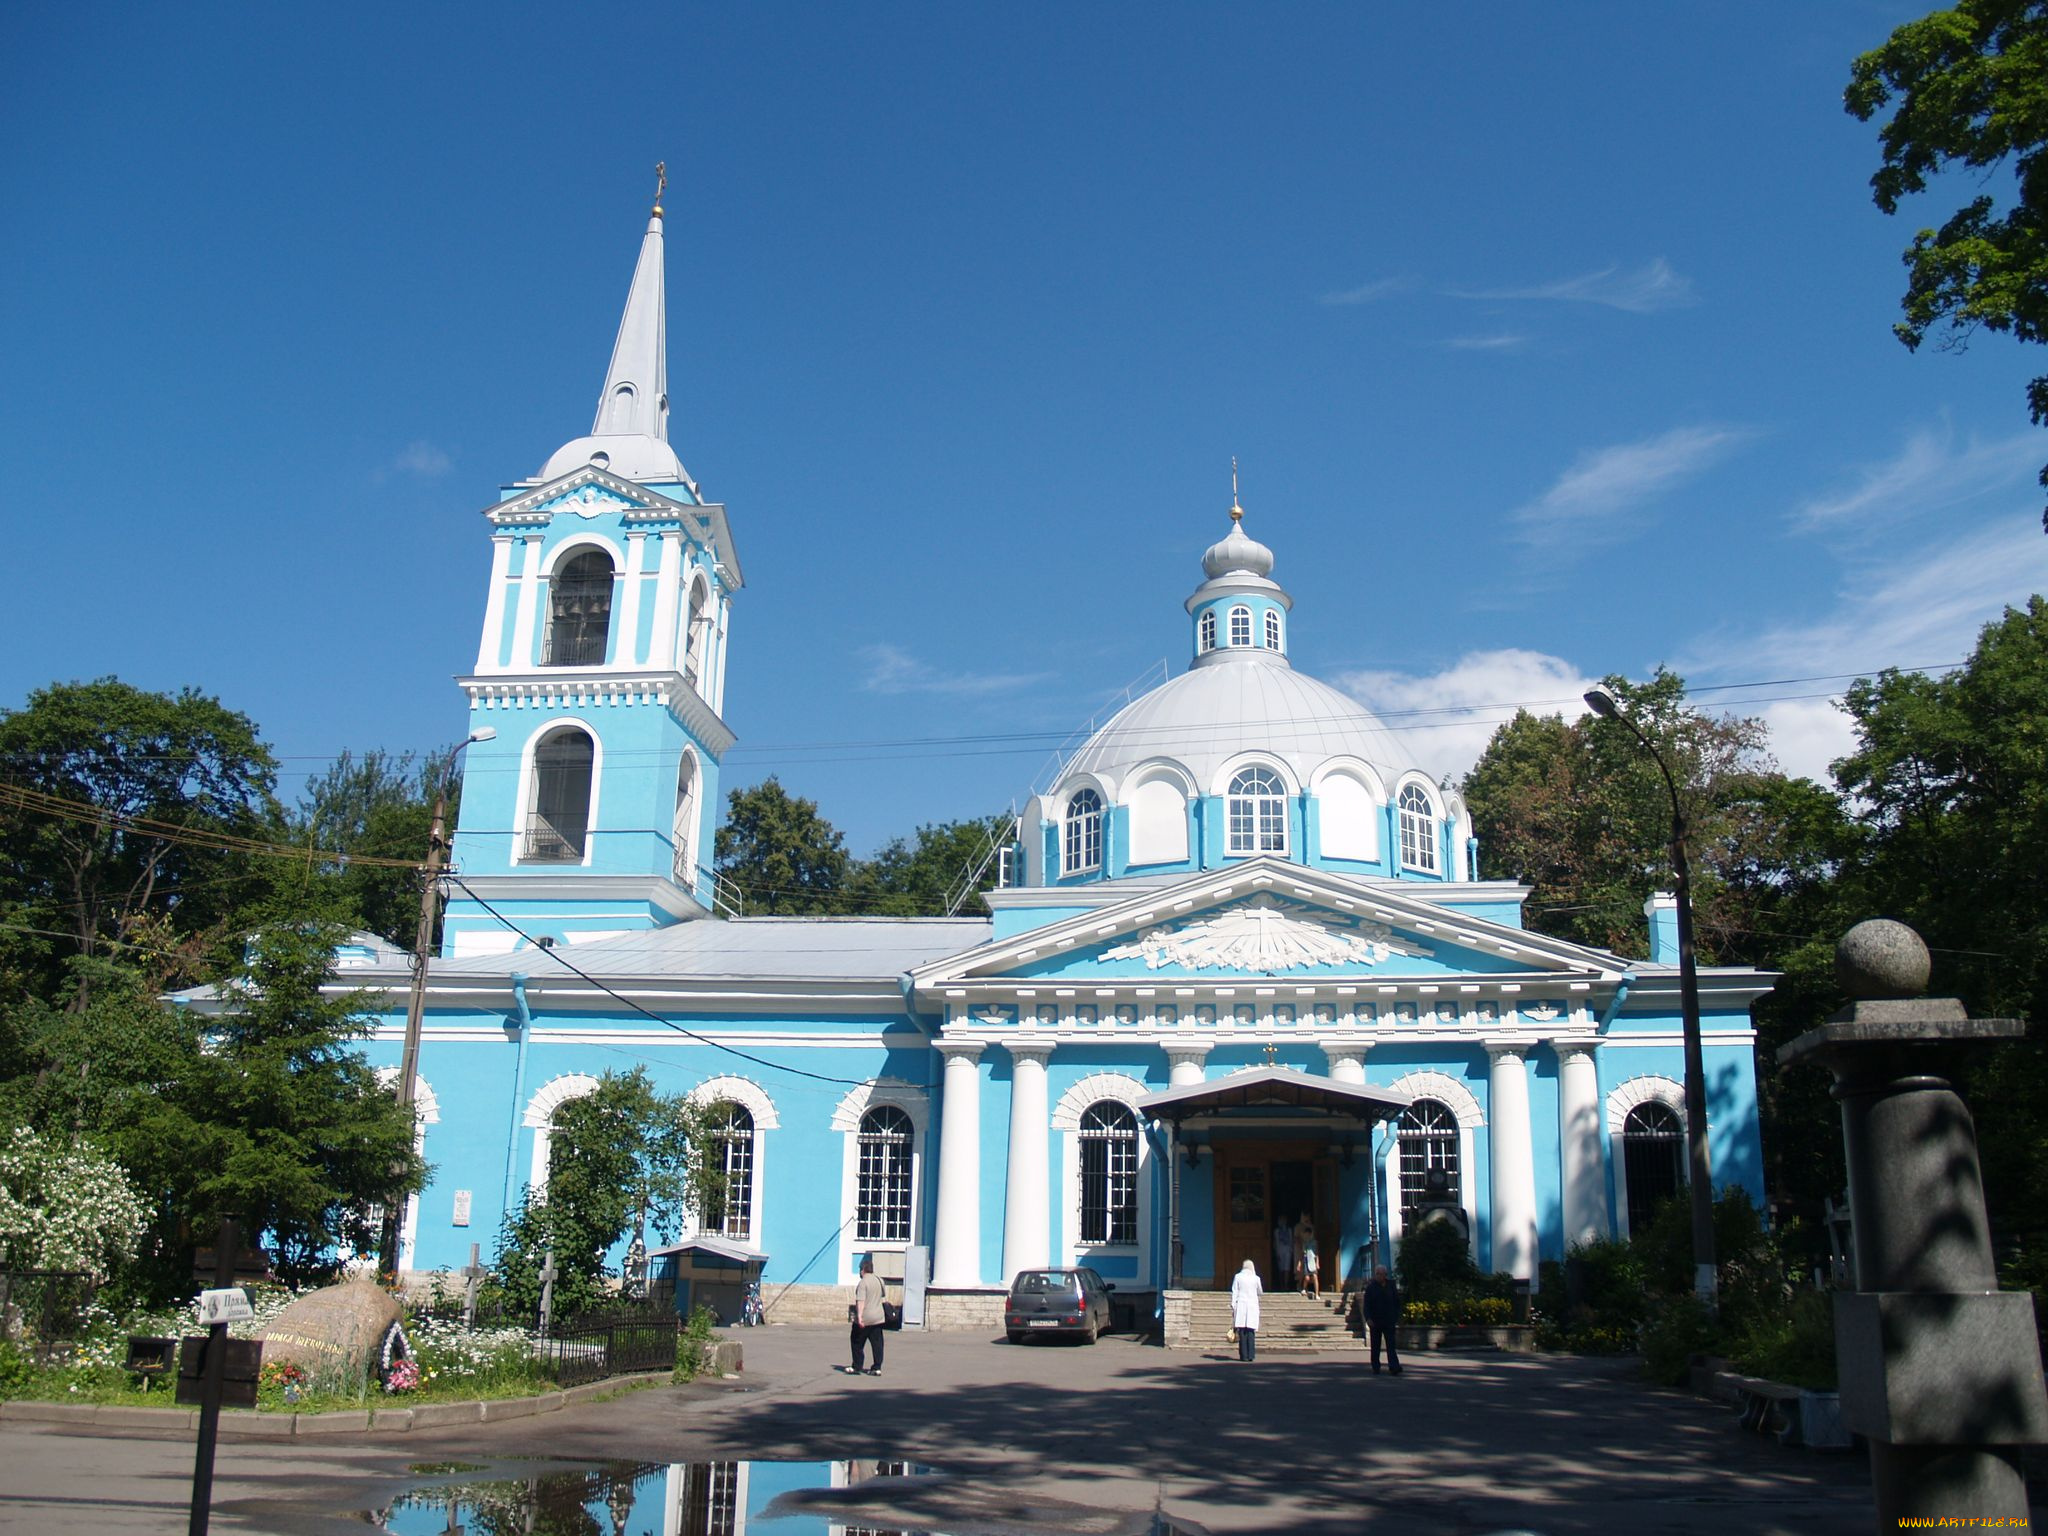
(912,1099)
(1463,1104)
(743,1091)
(426,1111)
(540,1118)
(1066,1118)
(1650,1088)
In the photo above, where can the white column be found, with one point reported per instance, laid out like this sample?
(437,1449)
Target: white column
(1184,1063)
(627,652)
(667,588)
(1027,1197)
(1578,1139)
(956,1246)
(1514,1162)
(523,657)
(1347,1061)
(489,648)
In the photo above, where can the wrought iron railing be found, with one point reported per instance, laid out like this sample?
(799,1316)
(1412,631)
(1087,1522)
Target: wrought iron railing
(601,1344)
(547,842)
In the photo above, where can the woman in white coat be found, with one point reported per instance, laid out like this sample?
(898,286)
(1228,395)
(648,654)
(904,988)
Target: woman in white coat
(1245,1291)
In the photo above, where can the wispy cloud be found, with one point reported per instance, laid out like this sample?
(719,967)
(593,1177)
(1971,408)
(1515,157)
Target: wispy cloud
(1506,342)
(1364,293)
(1643,291)
(1445,719)
(1605,484)
(891,669)
(423,459)
(1930,472)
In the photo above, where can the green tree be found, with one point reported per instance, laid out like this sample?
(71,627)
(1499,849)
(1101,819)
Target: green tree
(119,807)
(783,855)
(623,1158)
(379,806)
(64,1206)
(916,878)
(1970,85)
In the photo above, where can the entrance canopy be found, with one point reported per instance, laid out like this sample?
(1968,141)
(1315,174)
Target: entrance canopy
(1286,1095)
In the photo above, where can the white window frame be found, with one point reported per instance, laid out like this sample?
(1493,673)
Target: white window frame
(753,1098)
(1205,632)
(1240,626)
(1417,829)
(1081,833)
(846,1119)
(540,1119)
(426,1111)
(1462,1103)
(529,782)
(1066,1119)
(1261,806)
(1272,626)
(1637,1091)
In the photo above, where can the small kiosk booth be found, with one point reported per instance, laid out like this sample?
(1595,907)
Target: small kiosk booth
(709,1272)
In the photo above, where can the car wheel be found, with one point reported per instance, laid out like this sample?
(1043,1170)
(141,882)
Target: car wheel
(1090,1333)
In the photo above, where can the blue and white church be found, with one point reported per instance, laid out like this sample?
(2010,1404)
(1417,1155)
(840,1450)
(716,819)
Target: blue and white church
(1243,971)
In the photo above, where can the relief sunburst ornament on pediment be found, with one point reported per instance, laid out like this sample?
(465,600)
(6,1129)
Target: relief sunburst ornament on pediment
(588,501)
(1261,936)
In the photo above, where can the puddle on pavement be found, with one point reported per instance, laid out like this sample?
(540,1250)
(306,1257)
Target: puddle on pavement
(731,1498)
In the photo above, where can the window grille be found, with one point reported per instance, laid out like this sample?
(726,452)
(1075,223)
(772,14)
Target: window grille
(1428,1136)
(1418,830)
(1207,631)
(709,1498)
(1083,845)
(684,832)
(729,1209)
(1109,1174)
(1240,626)
(694,632)
(1272,630)
(882,1198)
(1653,1159)
(579,611)
(1255,813)
(558,822)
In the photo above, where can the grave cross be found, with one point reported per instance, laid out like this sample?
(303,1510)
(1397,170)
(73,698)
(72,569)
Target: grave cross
(547,1292)
(472,1281)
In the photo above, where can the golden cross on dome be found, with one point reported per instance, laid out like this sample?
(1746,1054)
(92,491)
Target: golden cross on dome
(660,184)
(1236,511)
(1272,1055)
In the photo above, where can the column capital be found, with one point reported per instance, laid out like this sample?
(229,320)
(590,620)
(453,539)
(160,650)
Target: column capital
(1499,1050)
(1569,1050)
(960,1050)
(1029,1050)
(1187,1050)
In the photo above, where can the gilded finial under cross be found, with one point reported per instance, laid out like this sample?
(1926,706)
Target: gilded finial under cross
(1236,511)
(660,184)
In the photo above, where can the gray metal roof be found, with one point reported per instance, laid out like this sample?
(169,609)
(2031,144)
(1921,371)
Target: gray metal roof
(793,948)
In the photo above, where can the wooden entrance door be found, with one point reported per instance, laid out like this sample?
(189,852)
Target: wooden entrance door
(1249,1180)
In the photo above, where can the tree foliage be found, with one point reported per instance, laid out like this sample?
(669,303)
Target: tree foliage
(916,878)
(1969,91)
(783,855)
(378,805)
(65,1206)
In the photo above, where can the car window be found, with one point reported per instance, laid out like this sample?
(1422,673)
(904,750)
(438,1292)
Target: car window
(1039,1282)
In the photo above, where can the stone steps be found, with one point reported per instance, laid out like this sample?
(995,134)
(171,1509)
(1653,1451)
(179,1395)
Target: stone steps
(1289,1323)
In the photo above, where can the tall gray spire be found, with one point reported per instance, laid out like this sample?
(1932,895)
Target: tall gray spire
(635,397)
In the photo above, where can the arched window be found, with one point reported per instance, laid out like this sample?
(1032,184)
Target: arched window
(729,1208)
(1240,626)
(1418,830)
(683,835)
(558,817)
(696,636)
(1109,1173)
(882,1191)
(1255,813)
(1206,631)
(1653,1159)
(1083,845)
(1428,1137)
(579,611)
(1272,629)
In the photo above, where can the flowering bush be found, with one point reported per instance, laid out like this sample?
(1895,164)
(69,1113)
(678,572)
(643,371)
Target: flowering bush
(65,1207)
(402,1377)
(281,1374)
(1486,1311)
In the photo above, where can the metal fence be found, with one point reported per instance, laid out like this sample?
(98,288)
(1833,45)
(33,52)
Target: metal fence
(601,1344)
(44,1308)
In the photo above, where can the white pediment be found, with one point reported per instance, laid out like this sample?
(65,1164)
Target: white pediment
(589,501)
(1258,935)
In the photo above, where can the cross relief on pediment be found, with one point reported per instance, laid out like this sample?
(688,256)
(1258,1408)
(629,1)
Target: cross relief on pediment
(1260,935)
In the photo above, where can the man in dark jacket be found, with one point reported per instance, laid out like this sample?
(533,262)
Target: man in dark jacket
(1382,1317)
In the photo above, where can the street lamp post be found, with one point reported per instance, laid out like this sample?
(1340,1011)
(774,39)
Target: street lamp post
(416,1002)
(1700,1171)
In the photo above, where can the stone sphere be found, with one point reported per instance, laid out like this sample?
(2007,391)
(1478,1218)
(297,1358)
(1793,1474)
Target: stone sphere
(1879,958)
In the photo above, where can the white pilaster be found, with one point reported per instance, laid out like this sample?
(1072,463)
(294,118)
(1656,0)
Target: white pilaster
(724,629)
(627,651)
(492,644)
(1027,1197)
(523,655)
(956,1246)
(666,590)
(1185,1064)
(1514,1161)
(1347,1061)
(1578,1139)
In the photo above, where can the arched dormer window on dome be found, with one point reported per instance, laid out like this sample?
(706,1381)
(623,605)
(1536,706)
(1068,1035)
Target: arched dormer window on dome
(1255,812)
(1205,632)
(1081,848)
(1272,629)
(1418,830)
(579,611)
(1240,626)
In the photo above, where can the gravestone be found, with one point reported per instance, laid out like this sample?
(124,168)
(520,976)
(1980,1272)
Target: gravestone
(334,1335)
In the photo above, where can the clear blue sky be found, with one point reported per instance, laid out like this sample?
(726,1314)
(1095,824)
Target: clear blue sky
(1553,340)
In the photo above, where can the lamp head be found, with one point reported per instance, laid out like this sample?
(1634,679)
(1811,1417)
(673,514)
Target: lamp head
(482,733)
(1601,702)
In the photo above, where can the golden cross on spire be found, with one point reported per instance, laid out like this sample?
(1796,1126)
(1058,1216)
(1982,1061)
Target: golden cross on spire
(660,184)
(1236,511)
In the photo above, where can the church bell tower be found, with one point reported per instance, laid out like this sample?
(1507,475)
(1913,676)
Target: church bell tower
(601,669)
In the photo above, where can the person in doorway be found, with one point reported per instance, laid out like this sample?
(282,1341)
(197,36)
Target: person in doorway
(1382,1317)
(1305,1255)
(1283,1253)
(867,1318)
(1245,1291)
